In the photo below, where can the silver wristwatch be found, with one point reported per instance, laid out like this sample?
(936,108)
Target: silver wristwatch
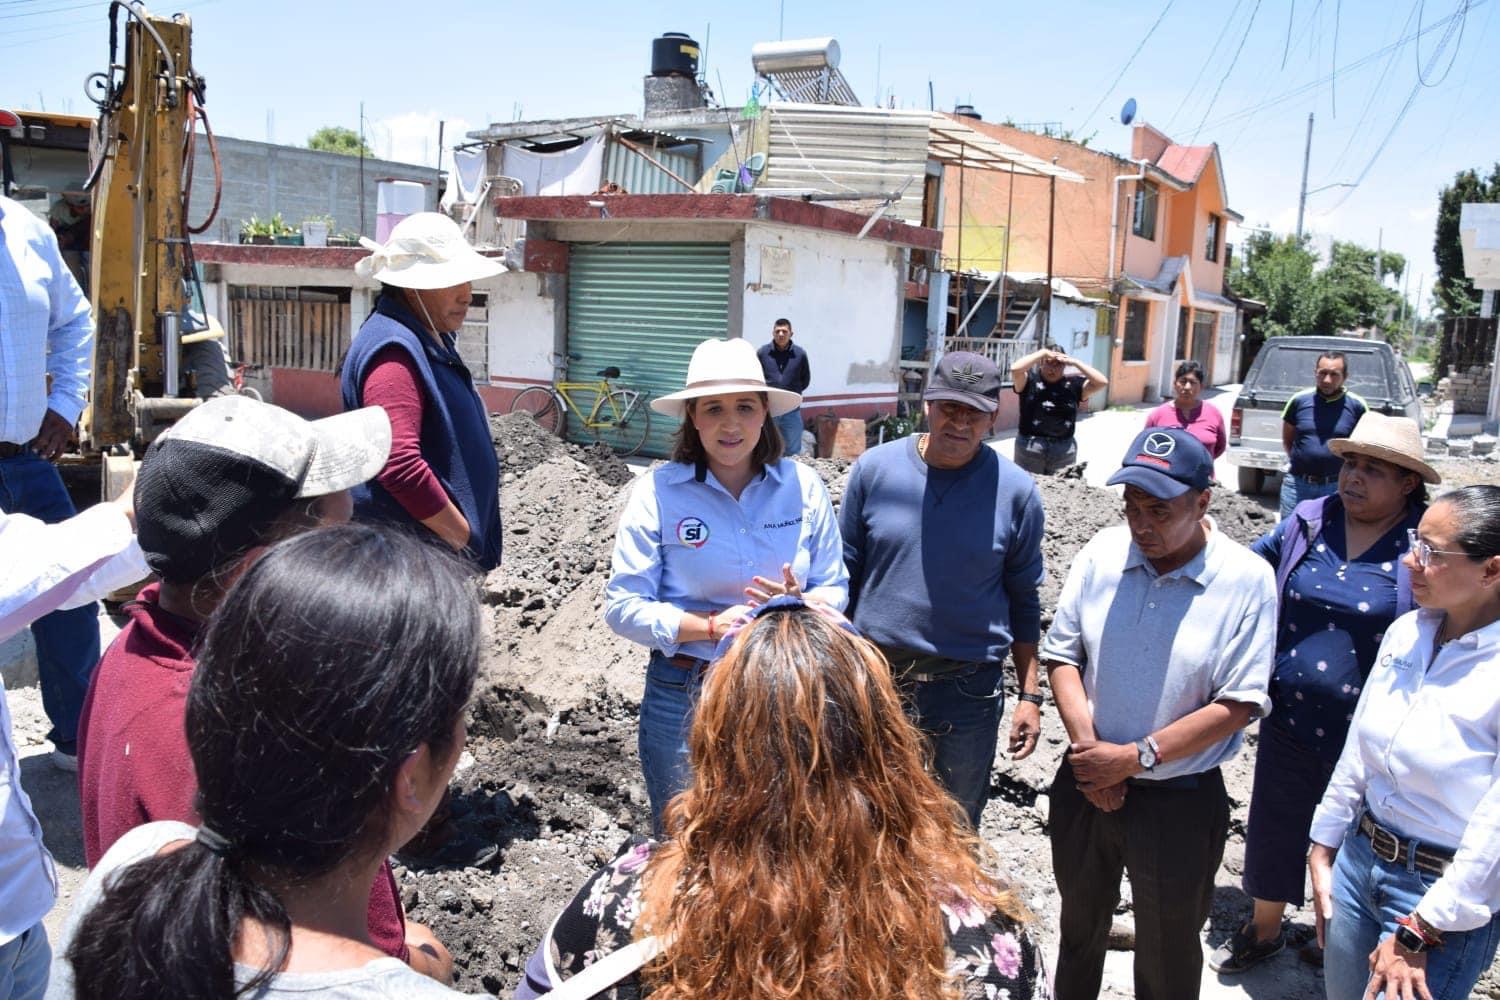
(1147,752)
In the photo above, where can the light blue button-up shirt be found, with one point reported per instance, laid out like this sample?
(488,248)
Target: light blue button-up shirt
(45,328)
(686,544)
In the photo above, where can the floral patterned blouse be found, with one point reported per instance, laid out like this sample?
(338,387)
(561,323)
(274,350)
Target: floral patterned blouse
(992,957)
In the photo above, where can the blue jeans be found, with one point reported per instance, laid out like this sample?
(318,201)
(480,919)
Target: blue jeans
(790,426)
(67,642)
(25,963)
(1369,894)
(1295,489)
(666,716)
(959,713)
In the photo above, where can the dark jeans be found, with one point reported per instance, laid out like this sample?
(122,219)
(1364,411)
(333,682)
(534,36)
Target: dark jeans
(67,642)
(959,713)
(1170,840)
(1290,779)
(666,716)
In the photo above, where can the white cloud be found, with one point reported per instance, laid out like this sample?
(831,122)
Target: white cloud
(412,137)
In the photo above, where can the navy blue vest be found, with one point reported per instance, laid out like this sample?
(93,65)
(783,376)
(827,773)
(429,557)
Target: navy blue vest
(455,440)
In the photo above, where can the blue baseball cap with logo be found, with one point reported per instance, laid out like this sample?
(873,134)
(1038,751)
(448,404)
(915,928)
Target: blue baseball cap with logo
(1166,462)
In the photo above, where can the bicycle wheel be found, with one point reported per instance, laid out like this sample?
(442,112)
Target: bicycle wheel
(541,403)
(622,420)
(250,391)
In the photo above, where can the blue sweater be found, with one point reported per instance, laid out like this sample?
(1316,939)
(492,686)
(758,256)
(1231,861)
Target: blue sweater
(943,562)
(455,440)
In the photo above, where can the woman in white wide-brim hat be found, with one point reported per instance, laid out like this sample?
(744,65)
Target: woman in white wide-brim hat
(726,523)
(442,471)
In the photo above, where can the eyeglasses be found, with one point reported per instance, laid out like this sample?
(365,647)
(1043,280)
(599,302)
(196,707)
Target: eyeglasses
(1424,552)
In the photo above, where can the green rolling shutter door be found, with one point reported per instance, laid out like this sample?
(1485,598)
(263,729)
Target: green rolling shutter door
(643,307)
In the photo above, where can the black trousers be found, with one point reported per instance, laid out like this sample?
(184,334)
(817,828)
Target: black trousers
(1170,840)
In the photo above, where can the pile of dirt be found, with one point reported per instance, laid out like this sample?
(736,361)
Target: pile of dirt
(552,774)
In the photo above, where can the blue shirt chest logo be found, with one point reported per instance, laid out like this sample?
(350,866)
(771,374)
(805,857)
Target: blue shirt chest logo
(692,532)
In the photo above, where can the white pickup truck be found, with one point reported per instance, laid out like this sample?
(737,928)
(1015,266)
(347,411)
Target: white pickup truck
(1285,367)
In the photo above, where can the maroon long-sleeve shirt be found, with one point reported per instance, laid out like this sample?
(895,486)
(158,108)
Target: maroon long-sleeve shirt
(395,385)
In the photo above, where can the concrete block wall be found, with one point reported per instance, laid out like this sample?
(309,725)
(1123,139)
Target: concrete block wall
(261,179)
(1468,389)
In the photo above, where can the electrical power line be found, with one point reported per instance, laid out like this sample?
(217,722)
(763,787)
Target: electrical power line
(1317,84)
(1463,15)
(1232,63)
(1121,75)
(1207,61)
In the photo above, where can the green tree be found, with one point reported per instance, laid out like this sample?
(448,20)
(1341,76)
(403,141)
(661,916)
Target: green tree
(1349,294)
(337,139)
(1279,271)
(1455,293)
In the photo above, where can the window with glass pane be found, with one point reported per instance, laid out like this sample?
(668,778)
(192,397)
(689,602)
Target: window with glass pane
(1144,222)
(1137,312)
(1211,247)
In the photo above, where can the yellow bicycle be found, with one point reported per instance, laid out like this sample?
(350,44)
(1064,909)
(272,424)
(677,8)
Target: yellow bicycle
(619,416)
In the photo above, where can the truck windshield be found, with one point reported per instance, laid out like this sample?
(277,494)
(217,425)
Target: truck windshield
(1287,367)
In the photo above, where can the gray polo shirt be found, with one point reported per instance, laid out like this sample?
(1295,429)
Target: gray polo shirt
(1156,647)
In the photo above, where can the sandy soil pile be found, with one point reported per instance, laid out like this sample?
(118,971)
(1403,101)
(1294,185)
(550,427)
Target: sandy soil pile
(552,772)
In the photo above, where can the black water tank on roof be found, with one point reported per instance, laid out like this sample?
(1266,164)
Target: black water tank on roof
(674,54)
(967,111)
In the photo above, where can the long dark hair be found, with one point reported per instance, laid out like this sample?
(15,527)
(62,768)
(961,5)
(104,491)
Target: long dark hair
(688,448)
(338,653)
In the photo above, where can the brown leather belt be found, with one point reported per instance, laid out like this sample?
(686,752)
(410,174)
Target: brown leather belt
(1393,849)
(9,449)
(687,662)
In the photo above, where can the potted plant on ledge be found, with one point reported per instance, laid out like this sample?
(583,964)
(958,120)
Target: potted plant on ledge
(315,230)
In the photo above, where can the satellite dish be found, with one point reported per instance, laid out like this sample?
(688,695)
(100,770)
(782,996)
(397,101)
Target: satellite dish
(1127,113)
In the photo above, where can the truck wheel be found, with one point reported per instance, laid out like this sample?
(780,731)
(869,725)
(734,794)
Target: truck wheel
(1252,481)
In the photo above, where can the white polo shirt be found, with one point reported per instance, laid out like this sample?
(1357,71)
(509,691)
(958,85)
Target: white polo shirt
(1155,647)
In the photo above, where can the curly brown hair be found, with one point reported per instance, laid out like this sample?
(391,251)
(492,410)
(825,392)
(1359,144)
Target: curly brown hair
(688,446)
(812,852)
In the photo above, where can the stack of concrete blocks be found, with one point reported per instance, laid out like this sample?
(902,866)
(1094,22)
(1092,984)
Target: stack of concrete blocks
(1468,390)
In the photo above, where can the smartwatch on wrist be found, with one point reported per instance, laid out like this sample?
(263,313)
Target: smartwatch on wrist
(1411,935)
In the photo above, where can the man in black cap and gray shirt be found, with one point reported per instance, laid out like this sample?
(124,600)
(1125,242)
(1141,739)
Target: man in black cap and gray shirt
(1159,655)
(943,540)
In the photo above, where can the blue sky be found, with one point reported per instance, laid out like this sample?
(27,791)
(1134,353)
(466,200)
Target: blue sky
(1398,114)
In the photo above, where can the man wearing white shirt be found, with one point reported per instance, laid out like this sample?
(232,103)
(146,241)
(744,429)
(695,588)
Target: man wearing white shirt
(45,334)
(1159,655)
(47,567)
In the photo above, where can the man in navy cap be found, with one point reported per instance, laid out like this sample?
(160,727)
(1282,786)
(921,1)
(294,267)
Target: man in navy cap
(1159,655)
(943,540)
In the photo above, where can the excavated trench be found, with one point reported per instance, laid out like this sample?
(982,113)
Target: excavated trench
(551,770)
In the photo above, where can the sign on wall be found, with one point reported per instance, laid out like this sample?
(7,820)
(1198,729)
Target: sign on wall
(775,270)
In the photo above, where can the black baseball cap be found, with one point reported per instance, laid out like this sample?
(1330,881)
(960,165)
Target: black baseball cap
(971,379)
(1166,462)
(212,486)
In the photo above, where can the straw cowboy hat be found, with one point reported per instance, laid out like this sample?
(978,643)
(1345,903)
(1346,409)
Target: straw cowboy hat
(720,367)
(426,250)
(1397,440)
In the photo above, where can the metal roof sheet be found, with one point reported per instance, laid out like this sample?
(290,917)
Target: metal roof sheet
(955,143)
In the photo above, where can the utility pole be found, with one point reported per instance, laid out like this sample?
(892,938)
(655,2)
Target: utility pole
(1416,308)
(1046,333)
(1302,195)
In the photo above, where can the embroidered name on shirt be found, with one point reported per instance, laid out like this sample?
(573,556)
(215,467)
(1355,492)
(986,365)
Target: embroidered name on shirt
(692,532)
(781,524)
(1395,662)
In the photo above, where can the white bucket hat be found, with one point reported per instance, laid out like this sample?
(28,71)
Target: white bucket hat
(720,367)
(1397,440)
(425,250)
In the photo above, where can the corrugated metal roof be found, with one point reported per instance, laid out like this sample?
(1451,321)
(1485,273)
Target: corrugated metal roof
(637,175)
(836,150)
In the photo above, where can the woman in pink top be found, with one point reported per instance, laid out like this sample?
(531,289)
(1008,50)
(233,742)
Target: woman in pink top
(1188,411)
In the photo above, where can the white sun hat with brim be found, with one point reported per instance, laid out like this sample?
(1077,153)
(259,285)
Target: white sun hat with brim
(1397,440)
(722,368)
(425,251)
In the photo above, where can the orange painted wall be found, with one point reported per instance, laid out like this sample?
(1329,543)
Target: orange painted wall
(1081,241)
(1127,380)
